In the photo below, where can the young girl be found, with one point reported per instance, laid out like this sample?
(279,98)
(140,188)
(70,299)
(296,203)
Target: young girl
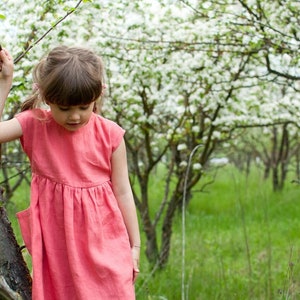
(81,227)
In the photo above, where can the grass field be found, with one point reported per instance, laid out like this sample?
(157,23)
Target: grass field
(242,242)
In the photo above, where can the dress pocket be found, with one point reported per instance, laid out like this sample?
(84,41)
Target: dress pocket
(24,221)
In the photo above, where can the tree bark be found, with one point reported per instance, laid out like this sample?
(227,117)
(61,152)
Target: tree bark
(15,279)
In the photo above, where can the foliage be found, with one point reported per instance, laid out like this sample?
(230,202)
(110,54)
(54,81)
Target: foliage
(179,74)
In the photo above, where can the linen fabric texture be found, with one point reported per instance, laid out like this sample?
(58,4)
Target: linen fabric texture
(73,227)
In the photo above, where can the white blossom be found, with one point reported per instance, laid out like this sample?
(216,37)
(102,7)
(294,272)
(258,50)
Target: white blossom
(197,166)
(181,147)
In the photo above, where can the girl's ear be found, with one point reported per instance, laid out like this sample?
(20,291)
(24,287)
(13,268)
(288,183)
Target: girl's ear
(95,108)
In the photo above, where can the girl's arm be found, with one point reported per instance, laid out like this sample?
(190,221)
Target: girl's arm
(6,76)
(124,196)
(9,130)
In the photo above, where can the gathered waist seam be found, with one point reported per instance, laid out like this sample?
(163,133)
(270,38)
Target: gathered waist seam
(79,186)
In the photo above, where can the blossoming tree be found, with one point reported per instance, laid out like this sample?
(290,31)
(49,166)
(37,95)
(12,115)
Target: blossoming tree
(181,77)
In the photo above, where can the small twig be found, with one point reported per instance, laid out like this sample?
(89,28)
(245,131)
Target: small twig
(21,172)
(46,33)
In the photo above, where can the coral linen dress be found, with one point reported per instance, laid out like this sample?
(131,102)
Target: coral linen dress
(73,228)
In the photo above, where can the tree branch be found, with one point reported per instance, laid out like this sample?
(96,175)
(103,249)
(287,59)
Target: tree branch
(46,33)
(286,75)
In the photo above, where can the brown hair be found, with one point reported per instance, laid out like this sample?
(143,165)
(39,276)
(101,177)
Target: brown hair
(67,76)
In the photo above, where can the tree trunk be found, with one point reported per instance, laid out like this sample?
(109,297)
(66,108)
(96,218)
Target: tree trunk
(167,227)
(15,279)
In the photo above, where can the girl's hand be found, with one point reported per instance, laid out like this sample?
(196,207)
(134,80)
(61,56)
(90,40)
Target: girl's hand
(6,66)
(135,250)
(6,76)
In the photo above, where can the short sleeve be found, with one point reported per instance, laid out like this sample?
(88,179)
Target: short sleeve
(25,119)
(30,121)
(116,134)
(111,133)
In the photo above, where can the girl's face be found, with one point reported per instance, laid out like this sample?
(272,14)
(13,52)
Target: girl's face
(72,117)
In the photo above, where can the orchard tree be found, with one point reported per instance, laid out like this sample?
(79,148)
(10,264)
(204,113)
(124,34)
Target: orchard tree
(180,76)
(272,29)
(176,89)
(274,149)
(222,76)
(173,92)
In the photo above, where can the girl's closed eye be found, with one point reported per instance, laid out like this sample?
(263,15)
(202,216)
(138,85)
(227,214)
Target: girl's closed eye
(85,107)
(62,108)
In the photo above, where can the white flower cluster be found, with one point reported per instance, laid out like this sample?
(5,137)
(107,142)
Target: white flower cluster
(174,70)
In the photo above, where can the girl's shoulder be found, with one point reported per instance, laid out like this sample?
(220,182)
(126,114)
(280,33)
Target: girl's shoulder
(108,124)
(33,118)
(36,114)
(111,133)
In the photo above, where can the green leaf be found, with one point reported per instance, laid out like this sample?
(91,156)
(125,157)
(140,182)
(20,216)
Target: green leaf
(2,17)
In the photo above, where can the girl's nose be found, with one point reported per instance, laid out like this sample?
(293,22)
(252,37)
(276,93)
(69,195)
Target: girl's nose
(74,116)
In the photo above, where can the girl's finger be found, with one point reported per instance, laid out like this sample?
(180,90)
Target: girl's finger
(135,274)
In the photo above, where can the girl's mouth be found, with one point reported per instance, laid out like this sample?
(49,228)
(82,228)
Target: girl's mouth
(73,126)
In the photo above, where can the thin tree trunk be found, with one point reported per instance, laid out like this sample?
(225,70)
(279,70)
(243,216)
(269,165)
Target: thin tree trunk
(15,279)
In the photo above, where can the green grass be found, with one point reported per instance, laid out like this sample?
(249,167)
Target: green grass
(242,242)
(19,201)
